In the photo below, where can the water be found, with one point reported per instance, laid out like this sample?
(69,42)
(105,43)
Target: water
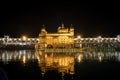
(36,65)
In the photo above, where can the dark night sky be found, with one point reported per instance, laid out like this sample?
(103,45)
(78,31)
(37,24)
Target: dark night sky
(89,19)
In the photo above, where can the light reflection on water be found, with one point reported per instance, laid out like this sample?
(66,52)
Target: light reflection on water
(99,56)
(26,55)
(62,62)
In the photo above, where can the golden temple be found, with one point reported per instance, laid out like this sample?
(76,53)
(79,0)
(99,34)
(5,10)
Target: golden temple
(64,38)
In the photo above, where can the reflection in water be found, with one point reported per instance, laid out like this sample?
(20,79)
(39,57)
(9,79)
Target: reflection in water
(62,62)
(101,56)
(80,56)
(22,55)
(53,59)
(24,59)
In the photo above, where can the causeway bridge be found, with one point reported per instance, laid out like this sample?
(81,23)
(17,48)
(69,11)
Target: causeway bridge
(18,41)
(78,42)
(98,42)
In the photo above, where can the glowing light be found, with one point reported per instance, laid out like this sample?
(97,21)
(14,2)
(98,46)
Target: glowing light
(24,59)
(24,38)
(80,57)
(10,39)
(28,39)
(99,37)
(19,39)
(100,58)
(37,39)
(79,36)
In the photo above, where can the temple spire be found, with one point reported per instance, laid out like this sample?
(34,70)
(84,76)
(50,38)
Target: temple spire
(43,26)
(62,25)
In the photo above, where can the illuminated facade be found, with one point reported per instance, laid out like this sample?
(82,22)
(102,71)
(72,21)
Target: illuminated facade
(64,38)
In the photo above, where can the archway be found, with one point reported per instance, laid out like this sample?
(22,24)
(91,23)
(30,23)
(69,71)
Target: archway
(49,46)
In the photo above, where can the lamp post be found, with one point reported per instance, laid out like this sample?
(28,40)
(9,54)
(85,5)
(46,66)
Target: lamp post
(79,37)
(24,38)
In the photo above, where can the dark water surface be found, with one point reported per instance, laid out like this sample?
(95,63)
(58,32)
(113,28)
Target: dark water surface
(36,65)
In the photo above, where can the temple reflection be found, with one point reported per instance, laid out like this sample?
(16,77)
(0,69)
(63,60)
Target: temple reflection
(63,62)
